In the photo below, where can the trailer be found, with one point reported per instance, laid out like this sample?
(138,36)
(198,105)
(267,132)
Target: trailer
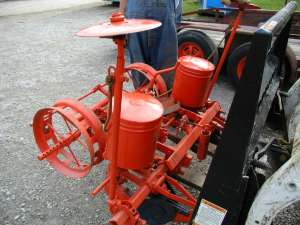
(233,181)
(197,36)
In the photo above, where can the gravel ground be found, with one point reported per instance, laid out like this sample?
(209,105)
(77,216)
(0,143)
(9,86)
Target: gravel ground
(41,61)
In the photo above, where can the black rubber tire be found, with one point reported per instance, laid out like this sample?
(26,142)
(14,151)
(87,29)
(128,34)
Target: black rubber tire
(233,60)
(202,40)
(115,4)
(290,64)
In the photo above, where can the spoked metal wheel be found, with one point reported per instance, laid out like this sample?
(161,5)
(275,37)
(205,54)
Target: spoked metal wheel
(70,137)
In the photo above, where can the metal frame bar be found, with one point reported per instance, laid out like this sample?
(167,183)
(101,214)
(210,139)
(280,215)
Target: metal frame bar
(228,181)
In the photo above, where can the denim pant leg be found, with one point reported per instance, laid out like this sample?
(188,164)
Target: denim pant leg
(178,15)
(164,52)
(157,47)
(136,46)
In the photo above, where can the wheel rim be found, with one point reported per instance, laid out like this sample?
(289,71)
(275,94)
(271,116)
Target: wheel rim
(75,134)
(240,67)
(190,48)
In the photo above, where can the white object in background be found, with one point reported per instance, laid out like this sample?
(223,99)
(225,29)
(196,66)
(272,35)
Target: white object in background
(209,214)
(280,191)
(204,4)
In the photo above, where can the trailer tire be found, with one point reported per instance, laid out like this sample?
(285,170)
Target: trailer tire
(237,60)
(291,66)
(196,43)
(115,4)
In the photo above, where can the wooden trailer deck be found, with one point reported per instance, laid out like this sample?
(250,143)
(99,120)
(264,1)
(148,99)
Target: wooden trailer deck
(217,30)
(215,25)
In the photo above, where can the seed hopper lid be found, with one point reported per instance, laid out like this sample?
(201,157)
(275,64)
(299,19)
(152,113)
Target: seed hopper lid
(118,25)
(196,63)
(140,109)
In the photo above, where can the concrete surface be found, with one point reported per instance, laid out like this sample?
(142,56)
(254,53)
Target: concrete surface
(41,61)
(15,7)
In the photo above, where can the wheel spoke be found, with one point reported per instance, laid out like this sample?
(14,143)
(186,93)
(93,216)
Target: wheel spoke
(68,125)
(66,154)
(194,51)
(60,136)
(186,50)
(190,52)
(198,53)
(70,129)
(74,157)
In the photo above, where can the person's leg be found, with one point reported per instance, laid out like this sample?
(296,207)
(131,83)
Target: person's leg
(178,15)
(158,47)
(137,42)
(163,41)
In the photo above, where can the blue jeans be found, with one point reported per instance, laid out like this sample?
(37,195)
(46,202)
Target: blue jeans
(178,11)
(157,47)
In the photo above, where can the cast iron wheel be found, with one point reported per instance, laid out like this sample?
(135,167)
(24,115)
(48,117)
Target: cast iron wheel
(237,61)
(196,43)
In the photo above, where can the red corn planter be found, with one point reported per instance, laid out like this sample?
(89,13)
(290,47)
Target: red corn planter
(134,131)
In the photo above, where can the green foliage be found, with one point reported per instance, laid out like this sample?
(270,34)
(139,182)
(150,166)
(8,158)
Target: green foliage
(190,5)
(271,4)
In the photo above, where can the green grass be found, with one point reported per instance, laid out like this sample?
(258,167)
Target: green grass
(190,5)
(271,4)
